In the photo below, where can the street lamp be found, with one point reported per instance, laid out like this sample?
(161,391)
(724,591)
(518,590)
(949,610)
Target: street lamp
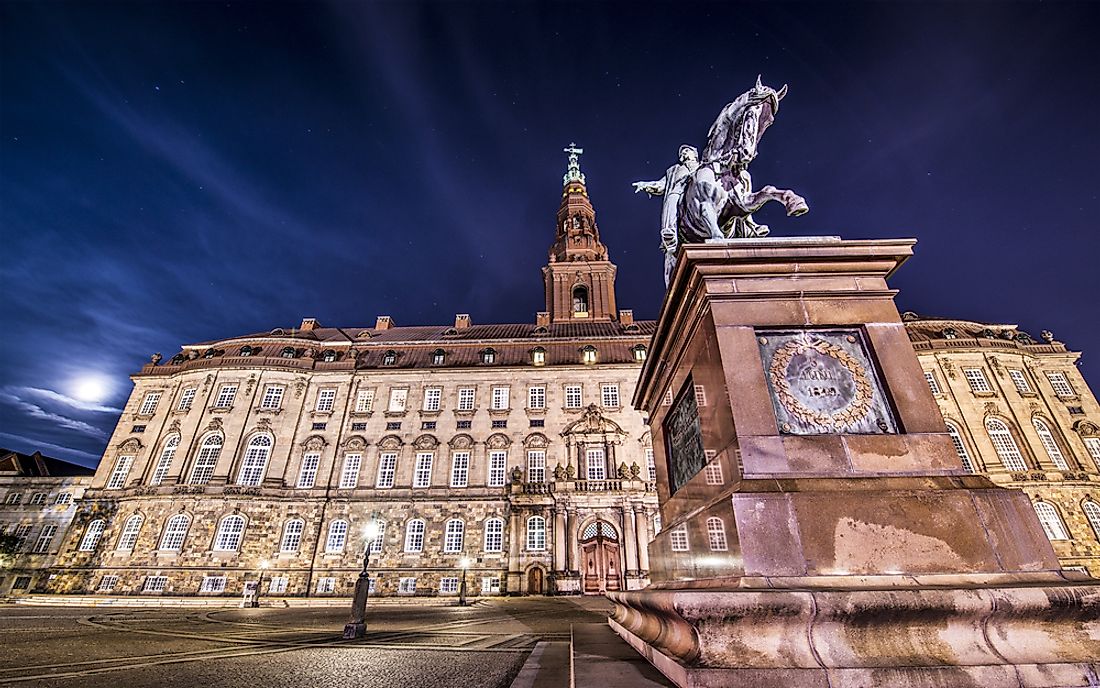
(260,584)
(357,624)
(465,563)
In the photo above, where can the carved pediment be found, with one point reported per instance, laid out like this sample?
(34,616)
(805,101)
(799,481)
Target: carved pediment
(646,439)
(536,440)
(131,445)
(1086,428)
(215,425)
(498,441)
(461,442)
(355,443)
(390,442)
(593,423)
(314,443)
(426,442)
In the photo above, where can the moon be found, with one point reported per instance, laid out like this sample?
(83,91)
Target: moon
(91,388)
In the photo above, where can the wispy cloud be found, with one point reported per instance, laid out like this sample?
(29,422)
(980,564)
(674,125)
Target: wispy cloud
(51,447)
(63,399)
(35,411)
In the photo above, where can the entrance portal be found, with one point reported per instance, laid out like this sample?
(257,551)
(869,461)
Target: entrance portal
(600,554)
(535,581)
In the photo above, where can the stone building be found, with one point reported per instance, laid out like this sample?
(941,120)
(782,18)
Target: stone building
(510,448)
(38,497)
(1020,412)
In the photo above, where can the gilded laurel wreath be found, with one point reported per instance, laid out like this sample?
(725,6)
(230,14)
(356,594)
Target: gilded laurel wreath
(852,412)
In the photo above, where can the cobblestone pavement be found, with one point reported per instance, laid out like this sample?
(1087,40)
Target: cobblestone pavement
(406,645)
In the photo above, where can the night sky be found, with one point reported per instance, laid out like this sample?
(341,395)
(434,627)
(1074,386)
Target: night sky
(172,173)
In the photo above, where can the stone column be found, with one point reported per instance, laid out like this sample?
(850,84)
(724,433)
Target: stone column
(630,540)
(514,537)
(560,563)
(642,522)
(572,555)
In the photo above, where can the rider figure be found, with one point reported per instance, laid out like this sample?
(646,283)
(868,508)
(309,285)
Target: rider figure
(671,186)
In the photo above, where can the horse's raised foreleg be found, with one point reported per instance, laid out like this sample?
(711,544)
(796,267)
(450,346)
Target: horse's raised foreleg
(753,201)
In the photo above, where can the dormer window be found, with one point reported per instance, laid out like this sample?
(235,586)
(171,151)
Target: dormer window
(389,358)
(328,356)
(639,353)
(488,356)
(288,352)
(439,356)
(247,351)
(538,356)
(209,353)
(950,333)
(588,355)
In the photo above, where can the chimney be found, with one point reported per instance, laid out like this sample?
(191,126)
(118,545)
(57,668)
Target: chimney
(626,318)
(542,319)
(308,324)
(462,321)
(384,322)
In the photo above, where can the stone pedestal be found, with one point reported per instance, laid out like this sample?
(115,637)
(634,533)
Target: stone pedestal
(819,528)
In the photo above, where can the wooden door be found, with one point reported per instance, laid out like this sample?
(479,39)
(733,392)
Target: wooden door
(601,566)
(534,581)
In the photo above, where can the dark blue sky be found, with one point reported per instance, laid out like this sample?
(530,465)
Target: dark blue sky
(172,173)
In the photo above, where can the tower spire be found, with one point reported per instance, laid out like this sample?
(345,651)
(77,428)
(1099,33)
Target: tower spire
(573,171)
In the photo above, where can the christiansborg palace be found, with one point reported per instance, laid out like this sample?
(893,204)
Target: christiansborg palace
(512,449)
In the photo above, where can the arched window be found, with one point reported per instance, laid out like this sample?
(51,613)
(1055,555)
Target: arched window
(337,537)
(1092,513)
(120,472)
(247,350)
(255,461)
(130,531)
(92,533)
(292,535)
(174,533)
(439,357)
(1046,437)
(536,533)
(230,533)
(588,355)
(414,536)
(1005,445)
(1051,521)
(960,447)
(379,537)
(716,534)
(453,535)
(164,463)
(494,535)
(207,459)
(580,299)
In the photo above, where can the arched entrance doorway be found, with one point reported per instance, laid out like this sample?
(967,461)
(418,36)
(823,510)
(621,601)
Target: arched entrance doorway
(600,554)
(536,581)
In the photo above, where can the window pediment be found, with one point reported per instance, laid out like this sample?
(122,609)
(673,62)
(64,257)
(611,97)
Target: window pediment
(593,423)
(461,442)
(498,441)
(426,442)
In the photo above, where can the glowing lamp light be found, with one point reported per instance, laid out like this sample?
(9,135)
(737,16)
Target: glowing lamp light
(370,531)
(265,564)
(465,563)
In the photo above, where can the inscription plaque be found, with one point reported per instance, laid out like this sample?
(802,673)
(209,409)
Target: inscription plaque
(824,382)
(683,437)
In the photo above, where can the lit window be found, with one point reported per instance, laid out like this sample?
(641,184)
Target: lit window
(326,400)
(389,358)
(960,448)
(1060,384)
(1046,437)
(580,302)
(930,378)
(387,469)
(536,398)
(92,533)
(230,533)
(349,477)
(572,396)
(433,397)
(439,357)
(588,355)
(118,475)
(130,531)
(225,396)
(1092,514)
(488,356)
(538,356)
(678,539)
(399,396)
(174,533)
(328,356)
(187,397)
(292,535)
(640,353)
(414,536)
(465,398)
(422,476)
(207,459)
(379,537)
(498,461)
(255,461)
(500,398)
(596,463)
(536,466)
(453,537)
(307,477)
(1020,380)
(337,537)
(1005,445)
(460,469)
(273,397)
(536,533)
(609,395)
(288,352)
(716,534)
(1051,521)
(494,535)
(45,539)
(975,377)
(364,401)
(149,404)
(247,350)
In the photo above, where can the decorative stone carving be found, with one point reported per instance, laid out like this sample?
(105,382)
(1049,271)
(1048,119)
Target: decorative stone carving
(207,382)
(1086,428)
(498,441)
(461,442)
(131,445)
(215,425)
(990,407)
(559,472)
(300,383)
(517,475)
(426,442)
(314,443)
(249,384)
(155,358)
(949,368)
(390,442)
(536,440)
(1047,336)
(355,443)
(635,470)
(592,422)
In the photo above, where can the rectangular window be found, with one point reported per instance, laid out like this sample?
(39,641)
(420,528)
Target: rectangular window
(678,539)
(326,400)
(1060,384)
(596,464)
(1092,444)
(278,585)
(186,399)
(538,423)
(38,498)
(138,428)
(64,498)
(273,397)
(536,398)
(320,426)
(609,396)
(1020,380)
(393,425)
(428,425)
(364,401)
(464,424)
(573,396)
(422,476)
(212,584)
(490,585)
(149,404)
(448,586)
(225,397)
(14,498)
(433,397)
(536,466)
(500,398)
(712,473)
(716,535)
(21,533)
(650,464)
(118,475)
(398,398)
(307,477)
(975,377)
(407,586)
(499,424)
(155,584)
(498,461)
(326,585)
(45,539)
(358,427)
(465,398)
(930,378)
(387,469)
(107,584)
(349,477)
(460,469)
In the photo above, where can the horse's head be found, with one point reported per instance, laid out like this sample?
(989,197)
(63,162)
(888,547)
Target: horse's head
(736,134)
